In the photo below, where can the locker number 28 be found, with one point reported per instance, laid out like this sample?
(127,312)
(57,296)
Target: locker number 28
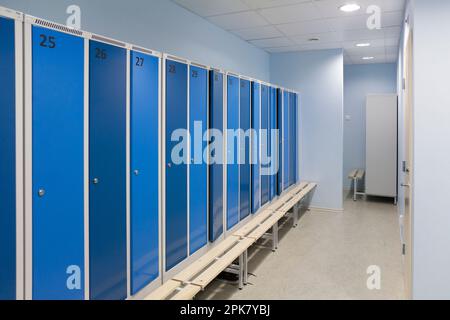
(47,42)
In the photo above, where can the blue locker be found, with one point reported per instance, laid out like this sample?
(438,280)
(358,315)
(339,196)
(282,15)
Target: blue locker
(176,171)
(244,168)
(107,157)
(255,163)
(198,169)
(279,112)
(286,140)
(7,161)
(144,103)
(232,152)
(264,144)
(296,127)
(273,148)
(58,163)
(216,169)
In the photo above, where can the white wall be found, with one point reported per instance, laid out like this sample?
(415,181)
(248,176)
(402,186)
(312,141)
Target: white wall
(431,218)
(160,25)
(319,77)
(359,81)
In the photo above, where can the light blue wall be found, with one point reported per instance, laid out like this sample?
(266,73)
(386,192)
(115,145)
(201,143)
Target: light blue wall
(160,25)
(319,77)
(431,169)
(359,81)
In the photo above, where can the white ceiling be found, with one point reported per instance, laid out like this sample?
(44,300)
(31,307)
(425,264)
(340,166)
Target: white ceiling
(287,25)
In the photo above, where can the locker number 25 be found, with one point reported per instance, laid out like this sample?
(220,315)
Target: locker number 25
(47,42)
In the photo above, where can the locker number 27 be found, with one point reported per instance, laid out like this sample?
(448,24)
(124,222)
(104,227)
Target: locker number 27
(47,42)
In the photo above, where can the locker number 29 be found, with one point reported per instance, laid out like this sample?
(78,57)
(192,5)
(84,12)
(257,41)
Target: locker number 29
(47,42)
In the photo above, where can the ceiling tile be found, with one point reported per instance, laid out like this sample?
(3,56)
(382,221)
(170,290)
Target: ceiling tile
(391,42)
(322,46)
(330,8)
(258,33)
(300,12)
(259,4)
(373,43)
(362,34)
(323,37)
(239,20)
(368,51)
(305,27)
(207,8)
(273,42)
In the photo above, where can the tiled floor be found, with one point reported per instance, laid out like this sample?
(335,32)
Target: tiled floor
(326,257)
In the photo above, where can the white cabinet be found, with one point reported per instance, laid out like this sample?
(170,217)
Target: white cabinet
(381,145)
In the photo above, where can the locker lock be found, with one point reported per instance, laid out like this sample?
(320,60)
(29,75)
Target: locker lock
(95,181)
(41,193)
(169,165)
(136,172)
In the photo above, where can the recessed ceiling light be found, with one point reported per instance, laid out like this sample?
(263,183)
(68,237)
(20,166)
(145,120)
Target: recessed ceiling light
(368,58)
(350,7)
(363,44)
(313,39)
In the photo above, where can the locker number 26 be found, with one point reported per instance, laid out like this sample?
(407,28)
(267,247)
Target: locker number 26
(47,42)
(100,54)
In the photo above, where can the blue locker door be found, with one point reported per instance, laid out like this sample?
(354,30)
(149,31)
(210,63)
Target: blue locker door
(264,145)
(279,112)
(232,152)
(256,187)
(273,147)
(216,169)
(144,170)
(176,169)
(7,161)
(244,170)
(286,140)
(107,157)
(58,164)
(198,169)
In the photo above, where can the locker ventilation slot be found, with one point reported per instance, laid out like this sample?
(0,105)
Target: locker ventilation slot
(143,50)
(58,27)
(114,42)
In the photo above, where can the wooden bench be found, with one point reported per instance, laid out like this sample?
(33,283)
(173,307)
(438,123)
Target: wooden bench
(194,278)
(356,176)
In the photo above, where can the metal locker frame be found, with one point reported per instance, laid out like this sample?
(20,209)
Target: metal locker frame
(18,18)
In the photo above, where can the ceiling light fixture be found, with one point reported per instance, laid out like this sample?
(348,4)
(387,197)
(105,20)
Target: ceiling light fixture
(368,58)
(350,7)
(313,39)
(363,45)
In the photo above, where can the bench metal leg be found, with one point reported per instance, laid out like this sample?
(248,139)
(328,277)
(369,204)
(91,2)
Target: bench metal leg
(275,237)
(241,271)
(355,186)
(245,267)
(295,215)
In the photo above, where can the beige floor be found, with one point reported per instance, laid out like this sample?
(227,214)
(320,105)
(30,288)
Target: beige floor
(326,257)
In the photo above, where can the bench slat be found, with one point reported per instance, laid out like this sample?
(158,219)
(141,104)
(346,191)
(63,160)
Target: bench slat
(187,293)
(214,270)
(352,174)
(164,291)
(360,174)
(205,260)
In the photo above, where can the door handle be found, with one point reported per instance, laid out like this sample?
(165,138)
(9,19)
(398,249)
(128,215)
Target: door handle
(406,185)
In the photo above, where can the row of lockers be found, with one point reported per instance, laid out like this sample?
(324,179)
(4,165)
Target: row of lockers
(92,204)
